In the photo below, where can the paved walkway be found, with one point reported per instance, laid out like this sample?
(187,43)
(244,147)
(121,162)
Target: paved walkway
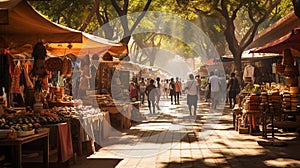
(171,138)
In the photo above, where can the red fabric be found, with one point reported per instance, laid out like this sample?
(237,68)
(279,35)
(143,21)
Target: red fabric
(64,140)
(177,86)
(132,91)
(15,84)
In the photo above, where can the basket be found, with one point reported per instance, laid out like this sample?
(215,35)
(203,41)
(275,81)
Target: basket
(25,133)
(53,64)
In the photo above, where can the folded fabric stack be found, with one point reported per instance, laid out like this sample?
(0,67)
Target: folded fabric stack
(264,97)
(251,103)
(289,102)
(275,99)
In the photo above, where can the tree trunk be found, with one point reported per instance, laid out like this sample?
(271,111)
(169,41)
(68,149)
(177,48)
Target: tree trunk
(126,40)
(238,65)
(296,4)
(90,16)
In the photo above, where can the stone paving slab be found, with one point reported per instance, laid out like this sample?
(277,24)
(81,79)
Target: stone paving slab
(171,138)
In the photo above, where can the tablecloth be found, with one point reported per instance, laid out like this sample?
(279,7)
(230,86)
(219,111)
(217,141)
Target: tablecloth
(97,127)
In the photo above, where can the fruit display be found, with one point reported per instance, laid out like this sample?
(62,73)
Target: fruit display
(20,123)
(28,121)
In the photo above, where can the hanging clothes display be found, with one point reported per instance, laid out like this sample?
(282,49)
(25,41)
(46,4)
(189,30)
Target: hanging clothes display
(22,80)
(27,69)
(86,70)
(93,77)
(66,70)
(83,86)
(248,75)
(16,80)
(16,87)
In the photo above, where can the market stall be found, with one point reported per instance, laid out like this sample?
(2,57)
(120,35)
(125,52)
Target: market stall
(54,87)
(39,96)
(27,26)
(265,106)
(112,88)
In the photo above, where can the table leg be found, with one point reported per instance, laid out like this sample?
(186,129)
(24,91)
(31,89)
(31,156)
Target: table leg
(80,137)
(234,118)
(19,155)
(46,152)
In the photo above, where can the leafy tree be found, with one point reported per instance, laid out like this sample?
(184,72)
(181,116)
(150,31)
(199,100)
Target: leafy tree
(67,12)
(80,13)
(234,19)
(252,13)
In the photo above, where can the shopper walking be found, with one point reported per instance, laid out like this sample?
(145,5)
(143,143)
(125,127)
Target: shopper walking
(151,94)
(222,93)
(166,88)
(177,90)
(233,88)
(215,89)
(192,87)
(207,88)
(172,90)
(158,90)
(132,91)
(142,90)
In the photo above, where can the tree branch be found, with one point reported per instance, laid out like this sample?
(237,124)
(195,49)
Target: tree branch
(224,10)
(269,11)
(125,6)
(116,6)
(100,18)
(123,20)
(140,17)
(249,36)
(234,13)
(90,16)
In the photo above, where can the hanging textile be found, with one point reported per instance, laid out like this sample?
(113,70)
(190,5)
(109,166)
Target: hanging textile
(15,84)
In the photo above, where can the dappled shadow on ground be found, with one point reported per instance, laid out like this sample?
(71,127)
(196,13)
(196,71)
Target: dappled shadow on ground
(97,162)
(166,128)
(245,161)
(222,148)
(268,157)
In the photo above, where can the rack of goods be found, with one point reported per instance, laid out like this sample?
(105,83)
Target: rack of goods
(277,102)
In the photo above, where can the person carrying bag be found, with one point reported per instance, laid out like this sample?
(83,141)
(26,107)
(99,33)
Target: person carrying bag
(192,94)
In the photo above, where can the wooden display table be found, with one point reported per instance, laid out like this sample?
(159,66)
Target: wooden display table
(18,142)
(61,139)
(61,104)
(120,115)
(90,128)
(251,115)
